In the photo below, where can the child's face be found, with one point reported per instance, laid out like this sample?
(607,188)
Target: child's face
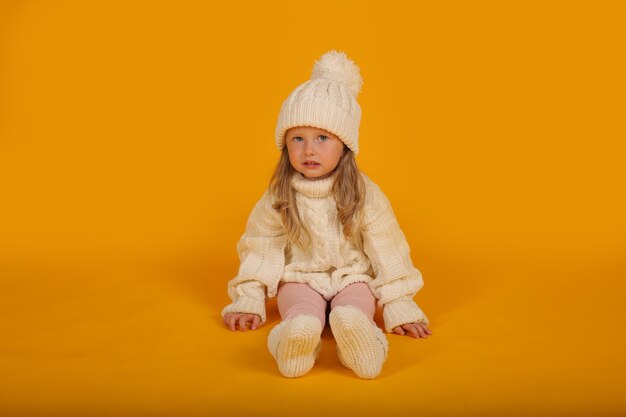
(306,143)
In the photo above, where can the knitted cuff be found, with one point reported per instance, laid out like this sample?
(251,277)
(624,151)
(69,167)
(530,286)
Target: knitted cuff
(403,311)
(247,305)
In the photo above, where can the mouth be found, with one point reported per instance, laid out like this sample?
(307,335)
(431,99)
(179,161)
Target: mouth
(311,164)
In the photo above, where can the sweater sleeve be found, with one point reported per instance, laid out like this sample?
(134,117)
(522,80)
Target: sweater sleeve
(396,279)
(261,251)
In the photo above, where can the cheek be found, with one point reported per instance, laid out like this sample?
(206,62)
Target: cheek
(338,152)
(292,154)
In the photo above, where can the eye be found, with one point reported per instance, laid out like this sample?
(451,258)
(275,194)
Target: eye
(324,138)
(295,138)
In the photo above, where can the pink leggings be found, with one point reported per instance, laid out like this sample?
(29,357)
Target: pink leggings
(297,298)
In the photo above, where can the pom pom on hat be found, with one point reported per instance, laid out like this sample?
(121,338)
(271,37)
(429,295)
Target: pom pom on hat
(327,101)
(336,66)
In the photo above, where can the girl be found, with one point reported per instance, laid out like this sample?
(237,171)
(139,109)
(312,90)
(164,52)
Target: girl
(324,232)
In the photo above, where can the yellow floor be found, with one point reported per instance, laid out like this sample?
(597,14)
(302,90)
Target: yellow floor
(508,339)
(136,136)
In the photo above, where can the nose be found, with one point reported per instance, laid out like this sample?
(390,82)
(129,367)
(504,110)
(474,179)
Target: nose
(308,149)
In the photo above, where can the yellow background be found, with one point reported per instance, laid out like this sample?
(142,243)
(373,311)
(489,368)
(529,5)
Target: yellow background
(135,137)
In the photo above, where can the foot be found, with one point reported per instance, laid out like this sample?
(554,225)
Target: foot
(361,345)
(295,343)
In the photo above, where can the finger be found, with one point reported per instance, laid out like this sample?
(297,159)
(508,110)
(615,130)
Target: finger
(255,322)
(412,330)
(231,321)
(398,330)
(243,323)
(426,329)
(421,331)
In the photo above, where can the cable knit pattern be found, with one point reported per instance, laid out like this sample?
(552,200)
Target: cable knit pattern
(261,251)
(331,263)
(397,280)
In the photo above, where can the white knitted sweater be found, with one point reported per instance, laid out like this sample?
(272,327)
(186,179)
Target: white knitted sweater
(332,262)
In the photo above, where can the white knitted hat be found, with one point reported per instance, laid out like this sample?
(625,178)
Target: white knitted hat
(326,101)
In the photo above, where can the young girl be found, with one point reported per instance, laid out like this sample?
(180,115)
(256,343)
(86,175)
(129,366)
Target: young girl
(324,232)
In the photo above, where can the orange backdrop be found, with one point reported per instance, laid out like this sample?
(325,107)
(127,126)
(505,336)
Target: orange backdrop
(135,137)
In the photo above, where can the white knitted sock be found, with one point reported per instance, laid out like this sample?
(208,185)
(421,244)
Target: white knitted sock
(361,345)
(295,344)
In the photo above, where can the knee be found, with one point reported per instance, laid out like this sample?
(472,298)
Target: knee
(359,293)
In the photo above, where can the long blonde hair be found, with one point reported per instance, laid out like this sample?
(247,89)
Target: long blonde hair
(348,191)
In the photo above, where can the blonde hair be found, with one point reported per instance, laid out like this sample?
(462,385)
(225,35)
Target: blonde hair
(348,191)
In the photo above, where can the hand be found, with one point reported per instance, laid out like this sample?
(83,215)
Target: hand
(232,319)
(416,330)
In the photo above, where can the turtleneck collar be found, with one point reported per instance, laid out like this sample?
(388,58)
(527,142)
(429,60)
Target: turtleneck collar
(313,188)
